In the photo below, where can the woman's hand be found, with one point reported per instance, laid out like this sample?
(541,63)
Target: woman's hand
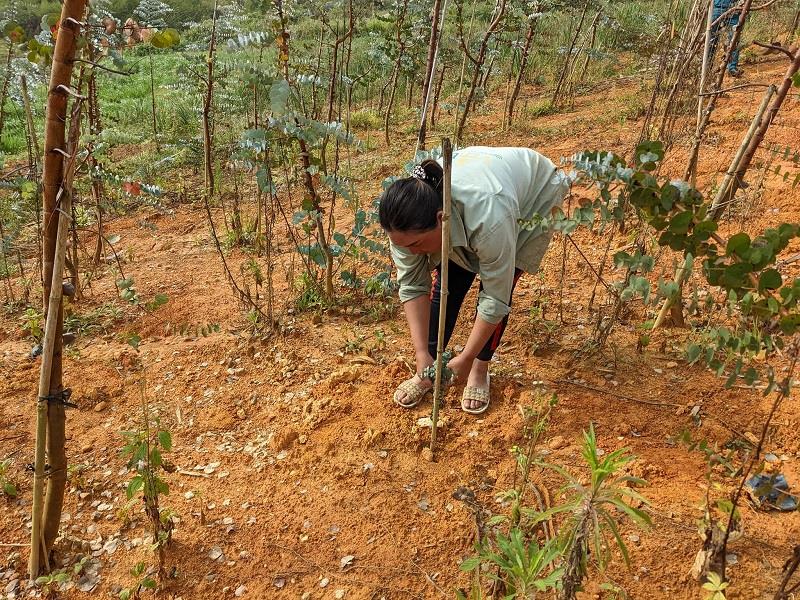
(460,366)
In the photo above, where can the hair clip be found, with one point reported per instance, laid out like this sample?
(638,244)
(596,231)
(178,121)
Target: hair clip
(418,172)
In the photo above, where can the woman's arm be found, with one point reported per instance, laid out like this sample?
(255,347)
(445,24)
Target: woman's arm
(480,334)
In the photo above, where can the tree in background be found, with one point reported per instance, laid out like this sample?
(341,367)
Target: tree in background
(152,13)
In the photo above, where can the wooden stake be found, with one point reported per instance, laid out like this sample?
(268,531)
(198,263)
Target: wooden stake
(722,192)
(447,154)
(51,329)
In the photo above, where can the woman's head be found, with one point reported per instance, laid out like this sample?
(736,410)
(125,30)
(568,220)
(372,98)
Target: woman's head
(411,209)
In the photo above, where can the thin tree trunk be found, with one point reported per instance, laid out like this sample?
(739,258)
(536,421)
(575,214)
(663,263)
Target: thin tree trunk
(96,128)
(460,24)
(4,91)
(500,9)
(305,159)
(691,167)
(758,137)
(153,99)
(568,56)
(53,181)
(436,94)
(523,63)
(591,44)
(429,66)
(322,24)
(401,48)
(484,81)
(208,102)
(6,268)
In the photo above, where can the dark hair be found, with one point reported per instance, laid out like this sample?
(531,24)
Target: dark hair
(411,204)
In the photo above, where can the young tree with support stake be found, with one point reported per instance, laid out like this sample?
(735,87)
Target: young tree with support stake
(46,513)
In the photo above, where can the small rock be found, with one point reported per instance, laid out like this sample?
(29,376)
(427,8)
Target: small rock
(305,596)
(427,454)
(279,582)
(324,583)
(633,538)
(216,553)
(111,546)
(771,458)
(424,503)
(227,521)
(100,406)
(87,583)
(339,594)
(240,591)
(346,561)
(671,364)
(189,495)
(557,442)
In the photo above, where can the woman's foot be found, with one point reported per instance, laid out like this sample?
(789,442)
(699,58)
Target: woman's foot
(412,391)
(476,396)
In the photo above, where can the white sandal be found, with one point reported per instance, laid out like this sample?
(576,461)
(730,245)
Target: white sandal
(477,395)
(414,393)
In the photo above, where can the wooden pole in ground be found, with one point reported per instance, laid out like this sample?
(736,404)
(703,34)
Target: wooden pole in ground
(722,192)
(447,156)
(52,331)
(761,130)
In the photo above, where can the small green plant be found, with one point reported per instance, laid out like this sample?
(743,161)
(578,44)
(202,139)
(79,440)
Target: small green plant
(33,324)
(127,291)
(96,321)
(354,345)
(309,294)
(522,566)
(51,582)
(54,581)
(715,587)
(7,488)
(593,508)
(144,448)
(141,581)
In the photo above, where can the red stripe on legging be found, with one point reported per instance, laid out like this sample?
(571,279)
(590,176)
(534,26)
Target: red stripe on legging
(498,332)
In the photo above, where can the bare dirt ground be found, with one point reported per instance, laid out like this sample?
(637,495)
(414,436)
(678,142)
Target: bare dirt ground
(291,456)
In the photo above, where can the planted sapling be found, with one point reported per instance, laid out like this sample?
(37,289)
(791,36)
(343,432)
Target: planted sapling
(142,581)
(7,488)
(144,448)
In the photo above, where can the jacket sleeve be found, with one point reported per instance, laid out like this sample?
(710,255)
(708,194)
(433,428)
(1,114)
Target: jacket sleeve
(496,249)
(413,275)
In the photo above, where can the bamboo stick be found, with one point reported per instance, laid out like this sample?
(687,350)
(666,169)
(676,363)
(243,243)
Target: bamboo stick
(51,330)
(724,187)
(447,154)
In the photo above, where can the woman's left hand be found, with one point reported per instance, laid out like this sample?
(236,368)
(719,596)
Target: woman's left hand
(460,366)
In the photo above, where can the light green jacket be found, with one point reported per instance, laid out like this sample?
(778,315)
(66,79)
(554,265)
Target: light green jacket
(492,188)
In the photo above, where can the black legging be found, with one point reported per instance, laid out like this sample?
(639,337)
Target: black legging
(459,282)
